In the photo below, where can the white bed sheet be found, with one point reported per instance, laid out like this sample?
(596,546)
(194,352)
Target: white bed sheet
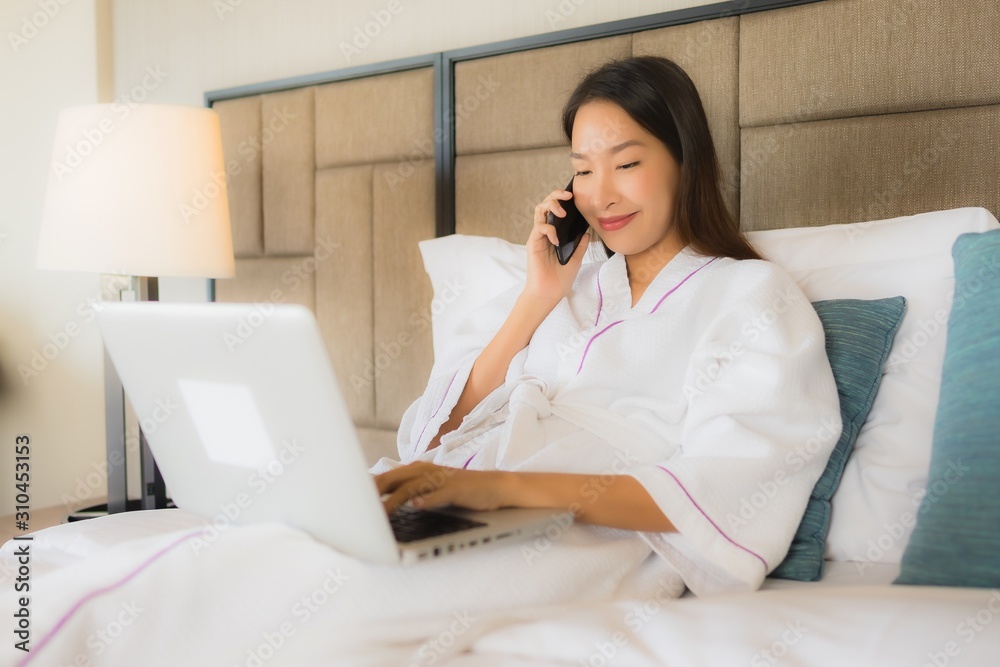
(200,610)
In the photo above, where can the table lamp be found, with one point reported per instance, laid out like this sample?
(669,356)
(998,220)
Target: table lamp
(138,191)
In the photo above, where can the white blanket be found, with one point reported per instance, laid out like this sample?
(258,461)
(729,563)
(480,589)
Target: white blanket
(184,595)
(131,590)
(860,626)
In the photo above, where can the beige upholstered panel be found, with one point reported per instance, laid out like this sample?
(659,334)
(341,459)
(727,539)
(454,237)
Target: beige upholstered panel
(708,51)
(240,121)
(389,117)
(327,219)
(496,194)
(861,57)
(344,283)
(269,280)
(378,443)
(404,214)
(514,100)
(869,168)
(287,136)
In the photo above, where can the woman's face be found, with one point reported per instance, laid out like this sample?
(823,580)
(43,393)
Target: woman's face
(626,182)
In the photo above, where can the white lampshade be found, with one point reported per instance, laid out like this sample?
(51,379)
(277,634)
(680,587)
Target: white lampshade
(137,190)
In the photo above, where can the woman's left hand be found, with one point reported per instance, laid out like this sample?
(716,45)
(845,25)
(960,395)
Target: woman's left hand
(430,485)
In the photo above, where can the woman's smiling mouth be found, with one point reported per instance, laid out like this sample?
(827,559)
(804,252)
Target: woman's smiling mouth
(617,222)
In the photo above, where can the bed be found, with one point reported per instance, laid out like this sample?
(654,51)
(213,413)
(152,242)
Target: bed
(859,140)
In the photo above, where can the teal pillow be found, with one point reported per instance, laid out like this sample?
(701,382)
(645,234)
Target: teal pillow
(956,541)
(859,334)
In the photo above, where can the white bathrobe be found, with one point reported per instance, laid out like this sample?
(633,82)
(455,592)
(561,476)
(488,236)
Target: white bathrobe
(714,392)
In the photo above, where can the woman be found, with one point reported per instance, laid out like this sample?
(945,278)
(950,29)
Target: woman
(658,391)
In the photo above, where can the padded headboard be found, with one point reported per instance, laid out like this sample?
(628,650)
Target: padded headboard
(827,112)
(335,189)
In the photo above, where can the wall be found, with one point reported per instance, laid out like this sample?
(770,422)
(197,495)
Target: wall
(51,364)
(88,51)
(209,45)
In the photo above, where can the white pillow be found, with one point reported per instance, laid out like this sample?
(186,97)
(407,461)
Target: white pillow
(876,504)
(468,271)
(910,256)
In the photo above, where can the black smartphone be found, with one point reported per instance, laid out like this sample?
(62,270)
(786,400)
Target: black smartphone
(568,229)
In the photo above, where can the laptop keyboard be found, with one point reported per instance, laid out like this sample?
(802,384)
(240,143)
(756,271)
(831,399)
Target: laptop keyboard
(410,524)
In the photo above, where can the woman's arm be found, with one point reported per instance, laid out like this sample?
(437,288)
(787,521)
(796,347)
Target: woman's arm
(490,368)
(618,501)
(546,284)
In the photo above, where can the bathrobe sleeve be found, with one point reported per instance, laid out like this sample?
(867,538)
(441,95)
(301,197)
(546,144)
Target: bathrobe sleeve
(424,417)
(763,417)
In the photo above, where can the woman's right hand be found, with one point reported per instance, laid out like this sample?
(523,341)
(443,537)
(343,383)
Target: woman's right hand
(548,280)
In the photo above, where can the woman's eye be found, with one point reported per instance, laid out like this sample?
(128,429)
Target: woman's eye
(582,173)
(629,165)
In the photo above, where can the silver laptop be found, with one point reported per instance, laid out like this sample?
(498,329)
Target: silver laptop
(246,420)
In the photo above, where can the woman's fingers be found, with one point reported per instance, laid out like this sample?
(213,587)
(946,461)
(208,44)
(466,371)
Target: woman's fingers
(406,491)
(552,203)
(411,489)
(440,485)
(549,204)
(389,481)
(415,479)
(542,210)
(543,228)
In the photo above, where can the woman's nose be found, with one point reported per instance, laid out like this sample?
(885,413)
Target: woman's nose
(603,193)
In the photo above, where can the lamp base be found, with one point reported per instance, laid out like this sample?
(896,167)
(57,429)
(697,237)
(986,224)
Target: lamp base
(94,511)
(154,494)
